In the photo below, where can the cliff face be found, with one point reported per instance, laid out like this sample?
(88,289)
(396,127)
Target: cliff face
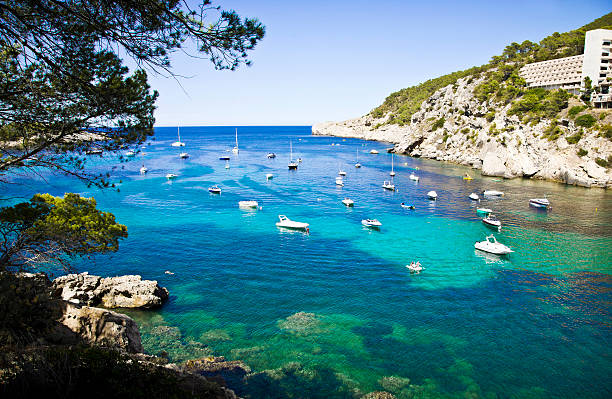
(452,125)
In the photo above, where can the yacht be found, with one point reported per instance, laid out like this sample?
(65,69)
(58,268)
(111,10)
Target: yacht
(413,177)
(540,202)
(492,221)
(224,158)
(492,193)
(287,223)
(483,211)
(184,155)
(214,189)
(248,204)
(171,176)
(432,195)
(387,185)
(339,181)
(474,197)
(373,152)
(292,164)
(348,202)
(373,223)
(178,143)
(271,155)
(492,246)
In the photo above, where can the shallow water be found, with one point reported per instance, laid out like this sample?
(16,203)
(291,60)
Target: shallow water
(336,312)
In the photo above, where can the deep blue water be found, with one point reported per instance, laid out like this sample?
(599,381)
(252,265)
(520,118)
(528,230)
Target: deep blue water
(339,303)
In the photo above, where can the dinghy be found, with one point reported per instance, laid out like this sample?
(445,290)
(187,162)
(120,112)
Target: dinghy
(474,197)
(214,189)
(491,245)
(432,195)
(171,176)
(540,202)
(413,177)
(248,204)
(372,223)
(491,221)
(348,202)
(415,267)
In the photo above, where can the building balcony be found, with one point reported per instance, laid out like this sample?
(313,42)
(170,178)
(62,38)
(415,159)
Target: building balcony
(601,98)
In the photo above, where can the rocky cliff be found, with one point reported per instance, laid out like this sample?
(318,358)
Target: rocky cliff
(452,125)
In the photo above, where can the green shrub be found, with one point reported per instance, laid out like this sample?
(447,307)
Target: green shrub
(575,110)
(437,124)
(602,162)
(552,132)
(465,130)
(602,116)
(490,116)
(606,131)
(582,152)
(493,130)
(573,139)
(585,120)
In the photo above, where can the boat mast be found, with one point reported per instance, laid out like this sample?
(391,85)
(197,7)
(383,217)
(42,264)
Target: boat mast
(236,137)
(391,162)
(290,151)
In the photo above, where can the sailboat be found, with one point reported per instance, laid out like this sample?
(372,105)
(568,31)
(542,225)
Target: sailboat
(392,173)
(235,149)
(292,163)
(358,165)
(178,143)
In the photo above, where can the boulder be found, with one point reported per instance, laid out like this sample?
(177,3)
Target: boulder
(102,327)
(492,165)
(111,292)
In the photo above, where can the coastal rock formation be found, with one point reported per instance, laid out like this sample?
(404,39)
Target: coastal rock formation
(452,125)
(220,370)
(111,292)
(378,395)
(102,327)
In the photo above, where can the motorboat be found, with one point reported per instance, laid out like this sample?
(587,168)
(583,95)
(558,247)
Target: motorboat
(415,267)
(235,150)
(491,245)
(342,173)
(214,189)
(96,151)
(492,193)
(227,166)
(143,169)
(413,177)
(224,158)
(407,206)
(432,195)
(540,202)
(492,221)
(339,181)
(474,197)
(373,223)
(184,155)
(392,173)
(178,143)
(348,202)
(292,164)
(287,223)
(130,154)
(248,204)
(387,185)
(373,152)
(271,155)
(269,176)
(171,176)
(483,211)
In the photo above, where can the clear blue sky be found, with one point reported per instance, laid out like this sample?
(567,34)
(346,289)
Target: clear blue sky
(334,60)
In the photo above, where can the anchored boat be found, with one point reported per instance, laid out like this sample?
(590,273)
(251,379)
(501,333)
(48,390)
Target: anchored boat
(287,223)
(491,245)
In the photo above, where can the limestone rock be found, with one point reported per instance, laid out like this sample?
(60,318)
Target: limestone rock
(378,395)
(492,165)
(111,292)
(102,327)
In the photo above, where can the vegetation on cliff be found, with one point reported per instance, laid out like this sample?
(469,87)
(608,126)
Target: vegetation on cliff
(501,81)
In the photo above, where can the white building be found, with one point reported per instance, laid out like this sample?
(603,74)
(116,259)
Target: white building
(569,73)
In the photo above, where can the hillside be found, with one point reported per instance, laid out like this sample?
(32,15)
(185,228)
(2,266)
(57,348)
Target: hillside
(486,118)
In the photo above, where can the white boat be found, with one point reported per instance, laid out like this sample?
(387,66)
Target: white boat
(474,197)
(248,204)
(94,152)
(184,155)
(413,177)
(269,176)
(492,246)
(143,169)
(415,267)
(373,152)
(341,173)
(178,143)
(271,155)
(374,223)
(214,189)
(287,223)
(130,154)
(484,211)
(227,165)
(540,202)
(292,164)
(387,185)
(171,176)
(339,181)
(407,206)
(235,150)
(358,165)
(492,193)
(432,195)
(392,173)
(492,221)
(224,158)
(348,202)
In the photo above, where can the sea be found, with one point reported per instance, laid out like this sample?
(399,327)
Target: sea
(335,312)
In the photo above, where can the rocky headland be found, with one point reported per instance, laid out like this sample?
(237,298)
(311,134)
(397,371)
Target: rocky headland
(453,125)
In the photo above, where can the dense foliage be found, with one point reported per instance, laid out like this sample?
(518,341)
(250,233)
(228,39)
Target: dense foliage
(63,88)
(50,230)
(501,83)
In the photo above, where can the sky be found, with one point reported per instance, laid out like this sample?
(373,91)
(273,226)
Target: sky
(335,60)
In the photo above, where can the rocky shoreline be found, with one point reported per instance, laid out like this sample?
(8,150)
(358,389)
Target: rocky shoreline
(453,126)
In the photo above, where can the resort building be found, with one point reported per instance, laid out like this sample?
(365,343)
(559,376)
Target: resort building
(569,73)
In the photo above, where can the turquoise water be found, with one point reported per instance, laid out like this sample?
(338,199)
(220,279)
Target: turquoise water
(335,313)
